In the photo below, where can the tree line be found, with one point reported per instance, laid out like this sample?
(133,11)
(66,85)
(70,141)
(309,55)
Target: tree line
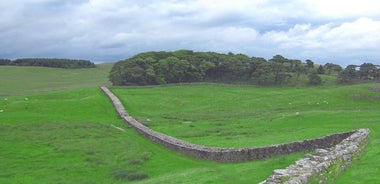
(49,62)
(183,66)
(358,73)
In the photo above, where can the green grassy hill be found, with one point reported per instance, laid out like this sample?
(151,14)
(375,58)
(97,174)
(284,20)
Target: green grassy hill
(56,126)
(65,133)
(16,80)
(231,116)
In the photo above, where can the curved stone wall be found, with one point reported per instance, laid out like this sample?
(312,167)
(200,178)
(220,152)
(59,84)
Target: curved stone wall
(225,154)
(315,165)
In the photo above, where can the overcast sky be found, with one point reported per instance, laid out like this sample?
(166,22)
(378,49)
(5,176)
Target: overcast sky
(339,31)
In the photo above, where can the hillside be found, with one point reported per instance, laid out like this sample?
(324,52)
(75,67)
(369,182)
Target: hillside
(67,134)
(233,116)
(16,80)
(56,126)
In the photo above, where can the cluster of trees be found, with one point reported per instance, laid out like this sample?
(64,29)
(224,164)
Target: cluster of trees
(49,62)
(363,72)
(153,68)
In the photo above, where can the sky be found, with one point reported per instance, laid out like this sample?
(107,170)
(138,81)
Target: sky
(337,31)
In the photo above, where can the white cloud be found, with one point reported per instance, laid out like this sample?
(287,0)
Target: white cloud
(349,42)
(360,34)
(344,8)
(103,30)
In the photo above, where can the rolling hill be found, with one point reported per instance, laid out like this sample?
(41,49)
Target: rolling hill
(56,126)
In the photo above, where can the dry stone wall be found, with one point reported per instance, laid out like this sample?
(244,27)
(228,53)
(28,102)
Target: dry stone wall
(315,165)
(225,154)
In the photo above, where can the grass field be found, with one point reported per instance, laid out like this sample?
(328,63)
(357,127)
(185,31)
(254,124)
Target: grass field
(26,80)
(66,134)
(57,127)
(225,116)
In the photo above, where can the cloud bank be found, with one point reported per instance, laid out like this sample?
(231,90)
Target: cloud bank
(343,32)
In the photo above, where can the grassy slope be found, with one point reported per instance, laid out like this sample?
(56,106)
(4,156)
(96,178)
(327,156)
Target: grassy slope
(58,130)
(246,116)
(15,80)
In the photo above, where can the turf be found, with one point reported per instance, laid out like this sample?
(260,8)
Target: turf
(68,137)
(225,116)
(16,80)
(57,127)
(65,133)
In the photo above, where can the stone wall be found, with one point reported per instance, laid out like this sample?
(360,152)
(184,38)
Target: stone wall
(314,166)
(225,154)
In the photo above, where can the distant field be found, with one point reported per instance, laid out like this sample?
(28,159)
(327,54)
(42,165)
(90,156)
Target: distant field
(16,80)
(225,116)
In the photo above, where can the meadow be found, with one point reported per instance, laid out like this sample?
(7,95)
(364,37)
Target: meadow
(26,80)
(67,134)
(246,116)
(56,126)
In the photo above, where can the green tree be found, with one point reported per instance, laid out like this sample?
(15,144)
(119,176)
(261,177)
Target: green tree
(204,68)
(116,75)
(150,76)
(53,62)
(189,66)
(263,74)
(348,75)
(377,74)
(331,68)
(280,69)
(134,73)
(173,69)
(294,65)
(314,78)
(254,66)
(309,65)
(321,70)
(367,71)
(299,68)
(5,61)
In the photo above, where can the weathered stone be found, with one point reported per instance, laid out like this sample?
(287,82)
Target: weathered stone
(321,151)
(280,172)
(300,173)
